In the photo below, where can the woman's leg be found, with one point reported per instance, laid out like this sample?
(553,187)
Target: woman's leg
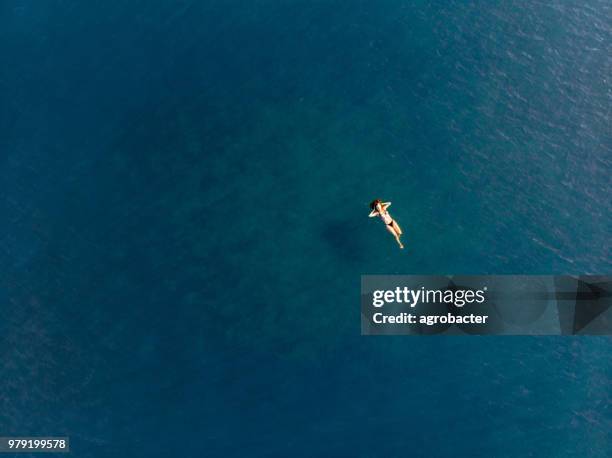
(397,227)
(395,234)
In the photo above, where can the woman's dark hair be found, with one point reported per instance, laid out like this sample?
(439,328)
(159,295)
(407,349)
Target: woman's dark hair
(374,203)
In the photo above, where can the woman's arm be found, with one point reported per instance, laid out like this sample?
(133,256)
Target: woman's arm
(386,205)
(373,213)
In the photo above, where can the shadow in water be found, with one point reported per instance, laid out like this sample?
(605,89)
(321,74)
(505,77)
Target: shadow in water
(347,239)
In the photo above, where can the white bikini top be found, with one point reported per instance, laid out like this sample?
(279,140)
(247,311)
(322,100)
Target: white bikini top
(386,217)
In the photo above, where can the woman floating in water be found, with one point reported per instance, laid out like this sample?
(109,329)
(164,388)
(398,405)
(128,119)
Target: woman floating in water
(380,209)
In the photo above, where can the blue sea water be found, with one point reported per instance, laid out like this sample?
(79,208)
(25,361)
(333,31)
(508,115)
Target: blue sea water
(184,190)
